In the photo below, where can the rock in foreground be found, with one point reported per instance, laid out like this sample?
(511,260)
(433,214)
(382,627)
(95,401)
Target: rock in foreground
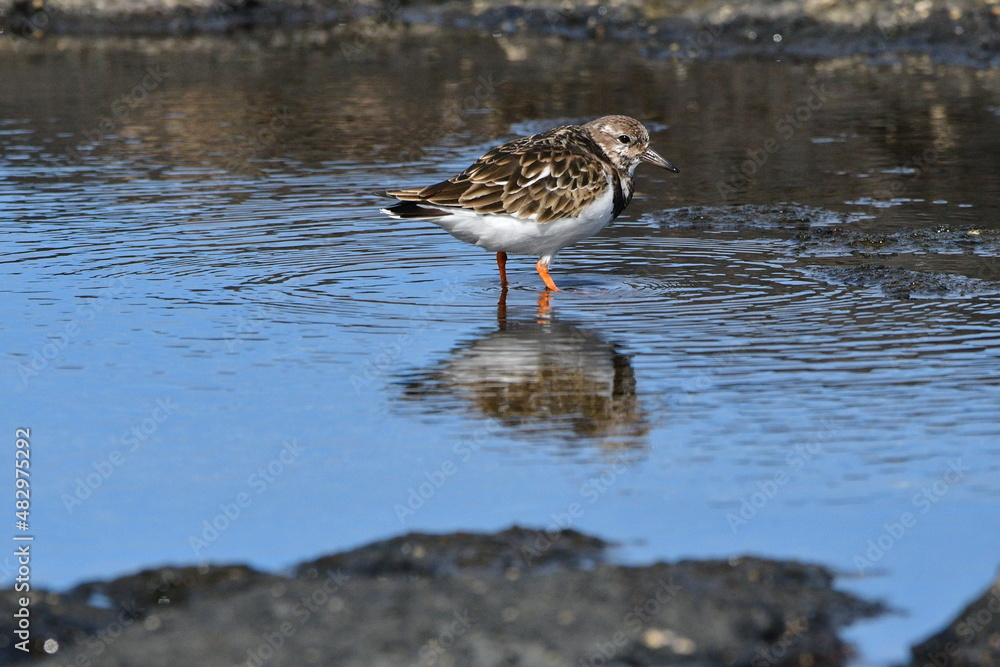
(971,640)
(518,597)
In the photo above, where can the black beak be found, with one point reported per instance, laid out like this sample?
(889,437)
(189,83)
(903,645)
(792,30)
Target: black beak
(654,158)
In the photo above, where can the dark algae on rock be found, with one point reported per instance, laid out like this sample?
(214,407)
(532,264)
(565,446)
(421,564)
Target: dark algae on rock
(517,597)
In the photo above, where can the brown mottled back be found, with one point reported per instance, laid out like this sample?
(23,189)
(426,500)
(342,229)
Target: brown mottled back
(547,176)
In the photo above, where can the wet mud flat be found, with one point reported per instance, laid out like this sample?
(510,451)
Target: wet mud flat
(944,260)
(959,31)
(517,597)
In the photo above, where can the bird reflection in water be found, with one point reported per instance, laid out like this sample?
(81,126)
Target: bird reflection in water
(539,377)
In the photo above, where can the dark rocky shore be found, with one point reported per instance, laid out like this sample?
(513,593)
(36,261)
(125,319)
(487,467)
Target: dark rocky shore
(960,31)
(518,597)
(971,640)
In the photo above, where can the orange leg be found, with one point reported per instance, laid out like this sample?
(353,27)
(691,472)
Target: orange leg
(543,271)
(502,265)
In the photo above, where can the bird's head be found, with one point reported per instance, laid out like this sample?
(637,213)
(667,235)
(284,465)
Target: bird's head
(626,142)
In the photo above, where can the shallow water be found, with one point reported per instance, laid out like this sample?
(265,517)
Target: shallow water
(197,277)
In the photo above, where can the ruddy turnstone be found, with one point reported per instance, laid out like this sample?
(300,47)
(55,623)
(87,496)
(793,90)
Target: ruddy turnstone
(538,194)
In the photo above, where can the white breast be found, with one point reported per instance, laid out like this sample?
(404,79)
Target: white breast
(505,233)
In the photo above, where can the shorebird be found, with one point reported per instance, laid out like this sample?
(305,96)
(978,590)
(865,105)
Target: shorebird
(538,194)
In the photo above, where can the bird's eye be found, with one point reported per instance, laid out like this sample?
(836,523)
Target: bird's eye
(624,138)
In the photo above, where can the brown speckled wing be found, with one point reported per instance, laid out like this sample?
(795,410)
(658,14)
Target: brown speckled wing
(544,177)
